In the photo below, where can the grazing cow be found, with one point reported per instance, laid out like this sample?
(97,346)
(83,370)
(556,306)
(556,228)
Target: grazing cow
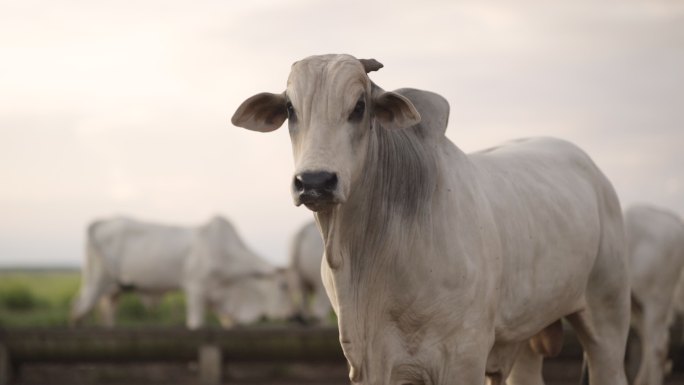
(210,263)
(440,264)
(238,285)
(655,242)
(305,262)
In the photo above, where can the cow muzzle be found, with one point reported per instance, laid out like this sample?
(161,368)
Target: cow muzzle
(316,190)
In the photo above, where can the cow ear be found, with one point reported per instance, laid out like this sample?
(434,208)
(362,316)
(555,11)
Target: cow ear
(395,111)
(263,112)
(370,65)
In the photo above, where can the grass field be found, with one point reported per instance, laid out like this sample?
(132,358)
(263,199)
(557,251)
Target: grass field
(40,298)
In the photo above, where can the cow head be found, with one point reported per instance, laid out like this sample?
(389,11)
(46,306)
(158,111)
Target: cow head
(331,106)
(239,285)
(254,297)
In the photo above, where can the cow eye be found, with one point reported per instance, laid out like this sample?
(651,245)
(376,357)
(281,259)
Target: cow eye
(290,111)
(357,113)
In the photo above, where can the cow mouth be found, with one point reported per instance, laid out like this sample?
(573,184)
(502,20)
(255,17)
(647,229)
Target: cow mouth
(316,200)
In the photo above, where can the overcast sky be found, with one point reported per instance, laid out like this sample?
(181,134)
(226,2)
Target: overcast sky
(123,107)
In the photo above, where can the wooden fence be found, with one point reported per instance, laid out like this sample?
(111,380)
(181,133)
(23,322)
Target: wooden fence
(210,348)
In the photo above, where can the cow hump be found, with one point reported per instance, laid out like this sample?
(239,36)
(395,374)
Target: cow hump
(433,109)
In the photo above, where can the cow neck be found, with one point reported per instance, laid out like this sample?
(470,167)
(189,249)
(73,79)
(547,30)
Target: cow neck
(392,196)
(384,219)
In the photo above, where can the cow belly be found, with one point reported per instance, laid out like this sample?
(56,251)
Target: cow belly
(541,284)
(524,318)
(541,291)
(152,274)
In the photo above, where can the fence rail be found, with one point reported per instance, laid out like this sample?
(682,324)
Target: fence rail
(248,344)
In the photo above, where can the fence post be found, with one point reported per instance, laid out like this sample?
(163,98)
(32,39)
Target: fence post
(210,361)
(5,365)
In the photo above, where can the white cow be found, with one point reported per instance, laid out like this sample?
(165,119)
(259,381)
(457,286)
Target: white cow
(225,275)
(210,263)
(305,261)
(655,239)
(439,264)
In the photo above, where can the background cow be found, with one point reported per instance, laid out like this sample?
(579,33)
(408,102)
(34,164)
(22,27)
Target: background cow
(306,256)
(210,263)
(655,239)
(239,286)
(438,262)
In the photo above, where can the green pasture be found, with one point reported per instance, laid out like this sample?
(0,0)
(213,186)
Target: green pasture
(43,299)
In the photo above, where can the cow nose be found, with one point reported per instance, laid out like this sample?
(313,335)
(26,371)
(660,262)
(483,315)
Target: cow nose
(315,181)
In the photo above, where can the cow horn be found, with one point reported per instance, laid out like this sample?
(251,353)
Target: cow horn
(371,65)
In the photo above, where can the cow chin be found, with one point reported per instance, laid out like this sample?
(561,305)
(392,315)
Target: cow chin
(319,206)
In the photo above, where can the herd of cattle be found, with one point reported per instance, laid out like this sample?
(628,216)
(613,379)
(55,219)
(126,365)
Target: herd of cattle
(442,267)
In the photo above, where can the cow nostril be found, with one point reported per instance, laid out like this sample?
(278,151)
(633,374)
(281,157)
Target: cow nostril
(298,184)
(331,182)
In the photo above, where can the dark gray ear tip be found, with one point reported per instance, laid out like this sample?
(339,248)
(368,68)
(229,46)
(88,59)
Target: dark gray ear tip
(371,65)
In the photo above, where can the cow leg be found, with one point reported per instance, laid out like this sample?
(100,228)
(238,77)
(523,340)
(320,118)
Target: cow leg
(495,379)
(602,328)
(478,362)
(320,306)
(107,306)
(527,369)
(653,334)
(634,359)
(604,347)
(298,294)
(528,365)
(602,325)
(94,284)
(86,301)
(306,301)
(500,361)
(195,308)
(472,371)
